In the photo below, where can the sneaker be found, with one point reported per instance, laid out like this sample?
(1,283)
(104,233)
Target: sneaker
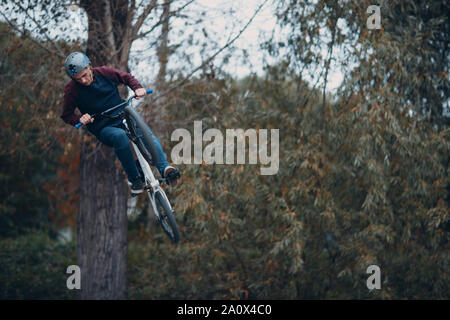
(137,187)
(141,177)
(171,174)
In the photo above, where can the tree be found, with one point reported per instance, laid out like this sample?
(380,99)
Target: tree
(31,148)
(113,26)
(370,189)
(384,58)
(163,48)
(102,221)
(364,207)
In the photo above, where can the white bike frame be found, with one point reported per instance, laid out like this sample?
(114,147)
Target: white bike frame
(152,184)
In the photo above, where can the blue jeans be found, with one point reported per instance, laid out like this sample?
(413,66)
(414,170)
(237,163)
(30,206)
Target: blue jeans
(115,137)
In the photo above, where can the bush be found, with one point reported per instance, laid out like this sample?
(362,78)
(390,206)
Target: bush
(34,267)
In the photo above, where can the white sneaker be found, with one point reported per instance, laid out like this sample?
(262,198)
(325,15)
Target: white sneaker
(137,187)
(167,171)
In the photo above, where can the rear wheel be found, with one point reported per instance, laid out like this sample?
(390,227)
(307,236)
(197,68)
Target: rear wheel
(167,219)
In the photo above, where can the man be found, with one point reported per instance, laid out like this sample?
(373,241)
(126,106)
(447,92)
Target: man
(94,90)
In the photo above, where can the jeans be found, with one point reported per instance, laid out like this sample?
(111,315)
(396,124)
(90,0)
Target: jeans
(115,137)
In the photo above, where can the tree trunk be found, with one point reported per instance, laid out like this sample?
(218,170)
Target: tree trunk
(102,218)
(102,224)
(163,49)
(113,25)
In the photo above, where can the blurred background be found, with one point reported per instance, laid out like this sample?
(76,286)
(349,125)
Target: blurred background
(363,116)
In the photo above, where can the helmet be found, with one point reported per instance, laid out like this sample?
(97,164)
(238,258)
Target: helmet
(76,62)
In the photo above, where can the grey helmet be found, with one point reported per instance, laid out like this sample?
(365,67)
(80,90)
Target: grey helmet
(76,62)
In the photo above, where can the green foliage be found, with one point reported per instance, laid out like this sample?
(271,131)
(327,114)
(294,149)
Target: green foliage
(30,152)
(371,189)
(33,266)
(363,180)
(406,61)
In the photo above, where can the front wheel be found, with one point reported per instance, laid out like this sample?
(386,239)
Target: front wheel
(166,218)
(141,136)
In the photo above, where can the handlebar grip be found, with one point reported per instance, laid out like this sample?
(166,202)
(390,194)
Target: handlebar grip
(79,124)
(146,91)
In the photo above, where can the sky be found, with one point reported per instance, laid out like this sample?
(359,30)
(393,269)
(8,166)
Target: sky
(223,21)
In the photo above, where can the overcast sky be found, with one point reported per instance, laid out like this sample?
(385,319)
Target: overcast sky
(223,20)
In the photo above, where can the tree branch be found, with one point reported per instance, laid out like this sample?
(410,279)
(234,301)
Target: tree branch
(207,61)
(59,50)
(109,25)
(24,33)
(162,20)
(142,17)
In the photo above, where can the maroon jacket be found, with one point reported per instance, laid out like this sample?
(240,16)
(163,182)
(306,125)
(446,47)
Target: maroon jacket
(101,95)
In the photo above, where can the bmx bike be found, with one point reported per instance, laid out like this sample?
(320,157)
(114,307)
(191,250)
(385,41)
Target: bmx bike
(145,151)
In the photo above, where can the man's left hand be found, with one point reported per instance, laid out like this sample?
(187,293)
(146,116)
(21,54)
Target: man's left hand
(141,92)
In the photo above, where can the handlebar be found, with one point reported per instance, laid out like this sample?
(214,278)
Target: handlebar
(79,124)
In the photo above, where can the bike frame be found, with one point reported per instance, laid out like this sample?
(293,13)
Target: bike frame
(153,185)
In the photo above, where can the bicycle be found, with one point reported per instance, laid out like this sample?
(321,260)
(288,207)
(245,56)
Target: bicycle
(145,151)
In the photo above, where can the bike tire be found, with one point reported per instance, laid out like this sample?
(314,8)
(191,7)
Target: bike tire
(167,220)
(143,141)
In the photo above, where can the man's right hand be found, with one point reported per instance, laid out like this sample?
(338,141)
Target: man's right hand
(86,118)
